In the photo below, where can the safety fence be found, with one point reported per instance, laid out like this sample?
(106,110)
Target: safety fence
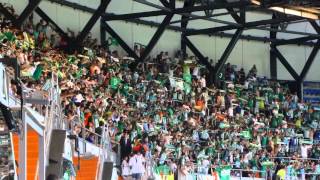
(235,174)
(202,173)
(232,174)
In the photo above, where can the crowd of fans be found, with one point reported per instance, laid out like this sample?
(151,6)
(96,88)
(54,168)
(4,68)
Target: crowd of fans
(164,115)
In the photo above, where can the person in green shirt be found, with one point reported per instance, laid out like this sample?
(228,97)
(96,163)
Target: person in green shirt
(224,172)
(264,141)
(274,122)
(251,104)
(114,82)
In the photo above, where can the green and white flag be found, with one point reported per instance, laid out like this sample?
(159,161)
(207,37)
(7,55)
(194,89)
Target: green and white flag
(246,134)
(37,73)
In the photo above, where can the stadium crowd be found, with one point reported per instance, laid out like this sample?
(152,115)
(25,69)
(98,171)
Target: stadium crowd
(164,112)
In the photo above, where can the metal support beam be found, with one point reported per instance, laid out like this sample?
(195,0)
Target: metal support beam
(33,4)
(273,57)
(101,9)
(210,30)
(153,40)
(165,3)
(156,36)
(121,42)
(285,63)
(111,17)
(233,14)
(103,37)
(56,28)
(309,62)
(294,41)
(242,15)
(184,24)
(227,53)
(315,26)
(170,27)
(313,53)
(7,14)
(248,25)
(211,6)
(203,60)
(172,4)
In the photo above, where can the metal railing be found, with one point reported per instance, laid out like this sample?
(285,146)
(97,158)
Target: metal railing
(254,174)
(102,141)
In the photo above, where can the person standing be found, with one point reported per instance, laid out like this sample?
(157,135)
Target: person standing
(137,166)
(125,169)
(125,145)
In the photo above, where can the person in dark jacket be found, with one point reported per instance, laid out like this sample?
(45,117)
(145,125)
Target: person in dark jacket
(125,145)
(99,130)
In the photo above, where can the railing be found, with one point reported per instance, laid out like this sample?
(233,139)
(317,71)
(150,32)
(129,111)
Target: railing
(237,174)
(100,141)
(253,173)
(53,112)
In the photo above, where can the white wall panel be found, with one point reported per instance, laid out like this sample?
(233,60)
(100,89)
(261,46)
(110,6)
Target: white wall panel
(245,54)
(296,56)
(18,5)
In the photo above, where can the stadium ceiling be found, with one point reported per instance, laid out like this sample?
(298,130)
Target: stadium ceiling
(283,12)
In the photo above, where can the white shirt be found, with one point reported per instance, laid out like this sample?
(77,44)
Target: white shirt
(230,111)
(203,82)
(206,163)
(195,71)
(304,151)
(125,168)
(79,98)
(136,163)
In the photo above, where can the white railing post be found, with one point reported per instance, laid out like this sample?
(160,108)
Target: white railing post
(13,157)
(42,157)
(23,148)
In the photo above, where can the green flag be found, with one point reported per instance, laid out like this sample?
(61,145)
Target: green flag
(10,36)
(38,72)
(71,59)
(246,134)
(2,37)
(112,42)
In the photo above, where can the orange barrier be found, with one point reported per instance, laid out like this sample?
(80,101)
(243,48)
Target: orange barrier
(88,168)
(32,152)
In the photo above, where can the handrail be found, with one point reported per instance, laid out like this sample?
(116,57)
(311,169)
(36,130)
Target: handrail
(102,155)
(52,111)
(13,157)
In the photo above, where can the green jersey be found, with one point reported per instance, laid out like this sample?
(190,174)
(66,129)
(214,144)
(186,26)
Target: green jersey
(224,172)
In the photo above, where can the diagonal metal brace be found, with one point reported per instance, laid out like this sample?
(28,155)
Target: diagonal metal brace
(96,15)
(121,42)
(33,4)
(153,40)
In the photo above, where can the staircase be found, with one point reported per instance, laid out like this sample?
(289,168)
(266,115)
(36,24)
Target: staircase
(32,152)
(88,168)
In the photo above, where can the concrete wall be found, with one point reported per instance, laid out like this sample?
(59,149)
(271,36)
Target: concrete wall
(245,54)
